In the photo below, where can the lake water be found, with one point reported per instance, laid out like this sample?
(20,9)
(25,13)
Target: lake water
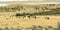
(3,4)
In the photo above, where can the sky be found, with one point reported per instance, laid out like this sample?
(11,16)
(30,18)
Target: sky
(18,0)
(27,0)
(13,0)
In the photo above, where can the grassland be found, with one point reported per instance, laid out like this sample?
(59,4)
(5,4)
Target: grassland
(27,15)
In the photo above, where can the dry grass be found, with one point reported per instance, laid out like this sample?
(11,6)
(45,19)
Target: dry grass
(26,22)
(6,20)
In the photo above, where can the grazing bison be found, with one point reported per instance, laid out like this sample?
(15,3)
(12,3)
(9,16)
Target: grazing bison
(47,18)
(20,15)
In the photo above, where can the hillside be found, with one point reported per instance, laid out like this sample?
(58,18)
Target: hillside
(39,9)
(30,16)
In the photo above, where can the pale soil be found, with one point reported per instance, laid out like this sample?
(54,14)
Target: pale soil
(26,22)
